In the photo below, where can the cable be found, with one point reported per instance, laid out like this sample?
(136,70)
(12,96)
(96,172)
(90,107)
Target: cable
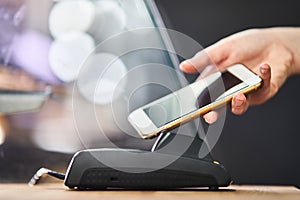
(36,177)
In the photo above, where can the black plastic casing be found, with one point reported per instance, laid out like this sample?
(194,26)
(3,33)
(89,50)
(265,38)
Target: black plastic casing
(136,169)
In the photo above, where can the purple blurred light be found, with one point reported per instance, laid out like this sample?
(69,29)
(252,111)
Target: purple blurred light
(30,51)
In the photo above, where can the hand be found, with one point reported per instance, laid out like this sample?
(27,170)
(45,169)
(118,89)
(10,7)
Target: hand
(270,53)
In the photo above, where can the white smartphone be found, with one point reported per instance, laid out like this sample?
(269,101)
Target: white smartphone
(193,101)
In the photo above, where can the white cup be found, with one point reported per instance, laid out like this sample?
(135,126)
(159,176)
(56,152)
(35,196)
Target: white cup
(71,15)
(68,53)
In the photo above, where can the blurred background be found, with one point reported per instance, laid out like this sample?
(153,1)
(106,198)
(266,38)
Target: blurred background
(260,147)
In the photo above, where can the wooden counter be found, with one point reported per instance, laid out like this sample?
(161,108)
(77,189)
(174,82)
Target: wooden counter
(59,191)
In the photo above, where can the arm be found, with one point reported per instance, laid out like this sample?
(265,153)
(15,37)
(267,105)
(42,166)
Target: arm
(272,53)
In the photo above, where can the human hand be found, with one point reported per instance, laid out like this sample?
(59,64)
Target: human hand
(270,53)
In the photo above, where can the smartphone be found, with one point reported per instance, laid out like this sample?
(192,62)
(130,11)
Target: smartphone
(192,101)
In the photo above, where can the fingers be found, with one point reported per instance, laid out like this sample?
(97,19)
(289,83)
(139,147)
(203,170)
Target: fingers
(239,104)
(211,117)
(263,94)
(196,63)
(212,55)
(265,74)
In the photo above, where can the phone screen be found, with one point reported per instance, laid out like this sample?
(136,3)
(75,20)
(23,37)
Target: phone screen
(173,107)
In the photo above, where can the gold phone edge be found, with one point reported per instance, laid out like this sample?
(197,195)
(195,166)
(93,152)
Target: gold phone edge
(200,112)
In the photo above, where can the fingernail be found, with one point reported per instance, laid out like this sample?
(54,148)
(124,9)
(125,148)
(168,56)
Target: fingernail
(182,65)
(238,101)
(264,69)
(211,118)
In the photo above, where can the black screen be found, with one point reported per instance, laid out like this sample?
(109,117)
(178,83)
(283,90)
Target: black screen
(172,108)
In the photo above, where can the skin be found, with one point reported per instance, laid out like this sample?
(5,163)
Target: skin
(272,53)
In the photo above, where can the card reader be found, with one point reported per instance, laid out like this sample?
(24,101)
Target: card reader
(135,169)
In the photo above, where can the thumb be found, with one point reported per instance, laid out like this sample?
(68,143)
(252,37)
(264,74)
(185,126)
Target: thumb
(212,55)
(196,63)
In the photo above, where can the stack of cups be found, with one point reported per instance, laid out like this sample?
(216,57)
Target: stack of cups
(77,26)
(69,21)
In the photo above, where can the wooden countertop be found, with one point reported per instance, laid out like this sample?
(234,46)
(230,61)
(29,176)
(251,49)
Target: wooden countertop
(59,191)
